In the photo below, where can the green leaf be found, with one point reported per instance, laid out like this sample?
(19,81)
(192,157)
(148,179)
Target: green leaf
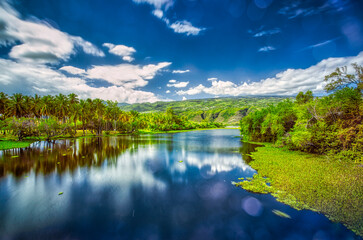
(281,214)
(15,156)
(60,193)
(180,161)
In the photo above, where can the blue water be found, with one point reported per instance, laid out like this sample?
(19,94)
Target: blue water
(166,186)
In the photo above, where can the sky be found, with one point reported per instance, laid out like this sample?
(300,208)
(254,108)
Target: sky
(134,51)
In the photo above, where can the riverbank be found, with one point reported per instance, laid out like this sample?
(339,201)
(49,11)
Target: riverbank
(10,142)
(308,181)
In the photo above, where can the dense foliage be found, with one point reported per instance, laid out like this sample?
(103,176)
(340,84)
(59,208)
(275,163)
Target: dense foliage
(330,124)
(50,116)
(222,110)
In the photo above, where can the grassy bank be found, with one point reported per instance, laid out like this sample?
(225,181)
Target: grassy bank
(9,144)
(307,181)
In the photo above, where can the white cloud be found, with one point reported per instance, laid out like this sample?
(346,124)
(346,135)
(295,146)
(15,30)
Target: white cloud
(289,82)
(181,71)
(157,3)
(73,70)
(158,13)
(174,83)
(167,91)
(192,91)
(320,44)
(121,50)
(126,75)
(37,41)
(267,32)
(35,78)
(185,27)
(212,79)
(184,98)
(266,49)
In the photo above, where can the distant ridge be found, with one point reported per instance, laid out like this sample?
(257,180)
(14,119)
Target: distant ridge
(228,110)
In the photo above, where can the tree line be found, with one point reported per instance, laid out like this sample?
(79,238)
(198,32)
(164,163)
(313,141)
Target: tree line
(330,124)
(50,116)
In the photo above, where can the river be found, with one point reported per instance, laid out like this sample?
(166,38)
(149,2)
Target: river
(163,186)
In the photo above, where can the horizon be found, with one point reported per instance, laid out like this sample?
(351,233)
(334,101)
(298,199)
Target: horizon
(138,51)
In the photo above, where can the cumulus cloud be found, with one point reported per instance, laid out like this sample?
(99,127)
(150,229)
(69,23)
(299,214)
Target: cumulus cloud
(266,49)
(35,78)
(184,98)
(73,70)
(289,82)
(181,71)
(185,27)
(158,13)
(176,84)
(167,91)
(121,50)
(126,75)
(37,41)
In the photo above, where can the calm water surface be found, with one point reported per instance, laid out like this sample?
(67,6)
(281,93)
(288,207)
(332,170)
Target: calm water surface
(167,186)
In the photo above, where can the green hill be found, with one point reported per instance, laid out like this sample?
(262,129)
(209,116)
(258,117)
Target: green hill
(223,110)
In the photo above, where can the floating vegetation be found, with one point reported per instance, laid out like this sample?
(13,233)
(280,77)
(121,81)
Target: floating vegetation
(15,156)
(308,181)
(65,154)
(180,161)
(60,193)
(281,214)
(256,184)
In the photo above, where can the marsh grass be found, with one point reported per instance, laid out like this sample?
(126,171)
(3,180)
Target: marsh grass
(307,181)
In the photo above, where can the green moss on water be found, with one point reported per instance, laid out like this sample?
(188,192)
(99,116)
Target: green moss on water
(256,184)
(8,144)
(307,181)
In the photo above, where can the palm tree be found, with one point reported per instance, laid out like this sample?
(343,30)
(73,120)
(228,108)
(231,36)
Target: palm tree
(61,103)
(4,102)
(16,105)
(36,105)
(99,108)
(84,113)
(46,106)
(74,108)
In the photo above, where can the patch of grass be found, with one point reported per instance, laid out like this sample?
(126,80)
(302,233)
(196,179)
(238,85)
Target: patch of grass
(9,144)
(307,181)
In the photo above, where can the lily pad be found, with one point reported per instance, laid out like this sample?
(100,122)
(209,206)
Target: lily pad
(281,214)
(60,193)
(180,161)
(15,156)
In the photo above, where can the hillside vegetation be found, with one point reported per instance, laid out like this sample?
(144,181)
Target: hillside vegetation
(327,125)
(220,110)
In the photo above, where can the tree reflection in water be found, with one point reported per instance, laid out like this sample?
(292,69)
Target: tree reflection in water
(59,156)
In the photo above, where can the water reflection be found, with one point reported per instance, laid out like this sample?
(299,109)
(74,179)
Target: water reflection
(166,186)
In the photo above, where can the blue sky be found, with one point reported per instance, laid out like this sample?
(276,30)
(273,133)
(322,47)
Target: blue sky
(149,50)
